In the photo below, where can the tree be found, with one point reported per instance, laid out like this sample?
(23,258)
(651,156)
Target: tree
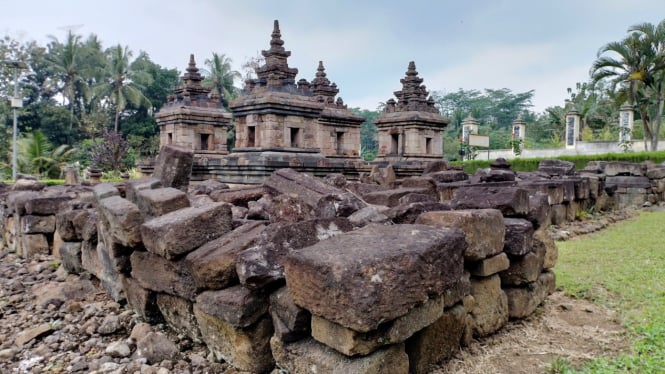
(369,134)
(220,76)
(36,155)
(120,85)
(64,60)
(637,64)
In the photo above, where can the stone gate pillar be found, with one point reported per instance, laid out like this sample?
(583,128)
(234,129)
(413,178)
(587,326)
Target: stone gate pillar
(469,126)
(572,128)
(626,118)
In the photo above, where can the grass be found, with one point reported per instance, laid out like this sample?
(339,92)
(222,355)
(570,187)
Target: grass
(623,268)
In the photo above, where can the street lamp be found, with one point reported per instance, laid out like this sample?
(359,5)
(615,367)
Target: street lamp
(16,102)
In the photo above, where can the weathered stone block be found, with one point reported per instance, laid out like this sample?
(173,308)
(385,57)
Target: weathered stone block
(408,213)
(179,314)
(239,196)
(45,204)
(656,173)
(338,205)
(70,255)
(158,274)
(16,201)
(523,301)
(262,264)
(489,266)
(352,343)
(458,290)
(308,188)
(448,176)
(614,168)
(37,224)
(542,241)
(124,220)
(33,245)
(552,188)
(539,210)
(141,300)
(236,305)
(511,201)
(104,190)
(524,269)
(174,166)
(132,188)
(208,186)
(246,349)
(177,233)
(308,356)
(65,227)
(375,274)
(213,265)
(369,214)
(157,202)
(291,322)
(288,208)
(556,167)
(490,313)
(558,214)
(109,275)
(519,236)
(436,342)
(390,198)
(484,229)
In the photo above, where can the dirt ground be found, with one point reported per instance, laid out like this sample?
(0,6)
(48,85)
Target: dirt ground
(563,327)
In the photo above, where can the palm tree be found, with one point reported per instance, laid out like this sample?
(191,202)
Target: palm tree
(37,156)
(120,86)
(63,58)
(221,77)
(640,69)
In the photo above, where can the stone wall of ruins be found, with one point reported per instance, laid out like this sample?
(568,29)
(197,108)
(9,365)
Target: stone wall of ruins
(304,272)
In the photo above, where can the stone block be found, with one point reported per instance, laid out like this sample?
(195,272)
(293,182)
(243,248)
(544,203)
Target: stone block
(524,269)
(33,245)
(656,173)
(90,259)
(239,196)
(103,190)
(157,202)
(436,166)
(262,264)
(158,274)
(448,176)
(558,214)
(409,213)
(213,265)
(309,189)
(178,233)
(45,204)
(627,182)
(208,186)
(556,167)
(375,274)
(132,188)
(519,236)
(542,241)
(37,224)
(338,205)
(390,198)
(417,198)
(179,315)
(523,301)
(108,274)
(116,253)
(308,356)
(539,210)
(498,175)
(614,168)
(460,289)
(353,343)
(64,225)
(490,312)
(511,201)
(436,342)
(369,214)
(173,166)
(291,322)
(124,220)
(582,189)
(237,305)
(489,266)
(16,201)
(246,348)
(288,208)
(56,245)
(142,301)
(483,229)
(425,182)
(552,188)
(70,255)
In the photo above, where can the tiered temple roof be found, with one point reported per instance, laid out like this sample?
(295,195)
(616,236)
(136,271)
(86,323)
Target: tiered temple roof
(192,93)
(413,96)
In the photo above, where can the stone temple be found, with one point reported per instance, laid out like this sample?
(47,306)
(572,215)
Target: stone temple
(280,122)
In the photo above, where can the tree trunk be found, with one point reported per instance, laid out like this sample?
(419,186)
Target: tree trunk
(657,119)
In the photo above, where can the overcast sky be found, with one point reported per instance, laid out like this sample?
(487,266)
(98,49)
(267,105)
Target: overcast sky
(366,46)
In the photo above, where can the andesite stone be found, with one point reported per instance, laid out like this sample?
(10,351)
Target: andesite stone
(173,166)
(523,301)
(158,274)
(179,314)
(490,312)
(519,236)
(511,201)
(236,305)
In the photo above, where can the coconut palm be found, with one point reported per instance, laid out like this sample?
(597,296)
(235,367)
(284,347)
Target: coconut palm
(639,67)
(220,76)
(64,60)
(120,87)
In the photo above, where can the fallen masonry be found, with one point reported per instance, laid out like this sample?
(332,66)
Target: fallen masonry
(306,274)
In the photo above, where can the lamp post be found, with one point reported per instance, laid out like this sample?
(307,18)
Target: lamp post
(16,103)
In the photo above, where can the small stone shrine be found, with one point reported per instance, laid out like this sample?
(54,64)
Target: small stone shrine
(194,118)
(411,128)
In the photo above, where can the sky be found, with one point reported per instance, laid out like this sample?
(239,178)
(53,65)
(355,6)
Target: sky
(522,45)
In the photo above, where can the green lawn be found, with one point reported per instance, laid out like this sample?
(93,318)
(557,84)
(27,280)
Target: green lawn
(622,267)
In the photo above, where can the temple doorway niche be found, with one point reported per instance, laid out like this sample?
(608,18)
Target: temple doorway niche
(294,136)
(170,138)
(394,143)
(205,142)
(251,136)
(339,142)
(428,146)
